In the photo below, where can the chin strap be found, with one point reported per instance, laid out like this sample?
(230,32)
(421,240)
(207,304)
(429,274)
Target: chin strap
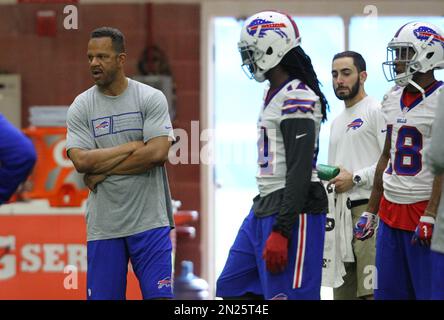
(259,76)
(417,86)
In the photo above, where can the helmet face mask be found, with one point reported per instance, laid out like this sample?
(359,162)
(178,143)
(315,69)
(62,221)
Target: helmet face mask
(265,39)
(416,47)
(400,65)
(250,55)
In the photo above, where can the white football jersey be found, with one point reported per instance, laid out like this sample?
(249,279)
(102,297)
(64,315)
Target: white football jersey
(407,178)
(293,99)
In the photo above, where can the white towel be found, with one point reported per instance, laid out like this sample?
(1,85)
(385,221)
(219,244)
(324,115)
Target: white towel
(346,228)
(338,241)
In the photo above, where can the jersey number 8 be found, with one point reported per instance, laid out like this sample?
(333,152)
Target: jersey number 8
(408,158)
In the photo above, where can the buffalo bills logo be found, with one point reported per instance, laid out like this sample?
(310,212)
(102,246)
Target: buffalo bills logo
(264,26)
(423,33)
(355,124)
(164,283)
(280,296)
(102,125)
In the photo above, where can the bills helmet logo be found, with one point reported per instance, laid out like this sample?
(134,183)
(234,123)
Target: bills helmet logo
(102,125)
(355,124)
(423,33)
(264,26)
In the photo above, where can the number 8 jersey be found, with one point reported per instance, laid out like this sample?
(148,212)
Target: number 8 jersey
(409,123)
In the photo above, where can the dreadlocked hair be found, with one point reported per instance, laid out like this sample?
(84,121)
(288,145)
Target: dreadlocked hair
(298,65)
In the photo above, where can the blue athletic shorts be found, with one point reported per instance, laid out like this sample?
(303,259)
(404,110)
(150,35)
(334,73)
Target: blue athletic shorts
(150,255)
(403,269)
(437,275)
(245,270)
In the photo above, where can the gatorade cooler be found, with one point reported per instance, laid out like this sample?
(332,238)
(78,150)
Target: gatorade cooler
(54,176)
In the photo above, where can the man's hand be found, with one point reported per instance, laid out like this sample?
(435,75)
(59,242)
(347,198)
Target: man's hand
(343,181)
(366,225)
(275,252)
(424,231)
(92,180)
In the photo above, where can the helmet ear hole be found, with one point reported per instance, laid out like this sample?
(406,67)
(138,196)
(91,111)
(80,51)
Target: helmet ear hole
(269,51)
(429,55)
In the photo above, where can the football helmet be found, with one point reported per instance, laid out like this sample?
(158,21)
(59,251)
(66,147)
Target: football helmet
(265,39)
(416,47)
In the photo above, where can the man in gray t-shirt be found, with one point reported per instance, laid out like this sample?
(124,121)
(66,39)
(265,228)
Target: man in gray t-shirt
(119,134)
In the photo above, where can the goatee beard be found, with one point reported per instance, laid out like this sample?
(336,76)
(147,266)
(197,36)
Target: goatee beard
(352,94)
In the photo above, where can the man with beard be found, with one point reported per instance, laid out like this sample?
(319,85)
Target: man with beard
(119,134)
(356,141)
(406,194)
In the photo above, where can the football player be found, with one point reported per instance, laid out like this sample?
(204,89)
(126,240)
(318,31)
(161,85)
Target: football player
(278,251)
(405,193)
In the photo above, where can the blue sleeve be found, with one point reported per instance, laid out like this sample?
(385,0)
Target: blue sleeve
(17,158)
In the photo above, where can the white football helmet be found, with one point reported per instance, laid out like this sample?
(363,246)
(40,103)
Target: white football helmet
(265,39)
(416,47)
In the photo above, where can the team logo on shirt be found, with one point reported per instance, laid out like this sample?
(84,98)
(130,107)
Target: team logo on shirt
(423,33)
(355,124)
(166,282)
(264,26)
(103,125)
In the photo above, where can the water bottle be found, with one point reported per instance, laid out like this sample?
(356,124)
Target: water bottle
(188,286)
(326,172)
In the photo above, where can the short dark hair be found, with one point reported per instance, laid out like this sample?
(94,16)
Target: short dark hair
(358,60)
(117,37)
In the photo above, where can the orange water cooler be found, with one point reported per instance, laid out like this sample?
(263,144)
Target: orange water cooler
(54,176)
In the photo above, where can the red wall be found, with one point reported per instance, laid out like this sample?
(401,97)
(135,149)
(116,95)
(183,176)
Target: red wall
(177,31)
(54,69)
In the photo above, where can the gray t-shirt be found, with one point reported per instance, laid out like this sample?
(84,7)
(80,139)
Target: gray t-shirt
(123,204)
(435,159)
